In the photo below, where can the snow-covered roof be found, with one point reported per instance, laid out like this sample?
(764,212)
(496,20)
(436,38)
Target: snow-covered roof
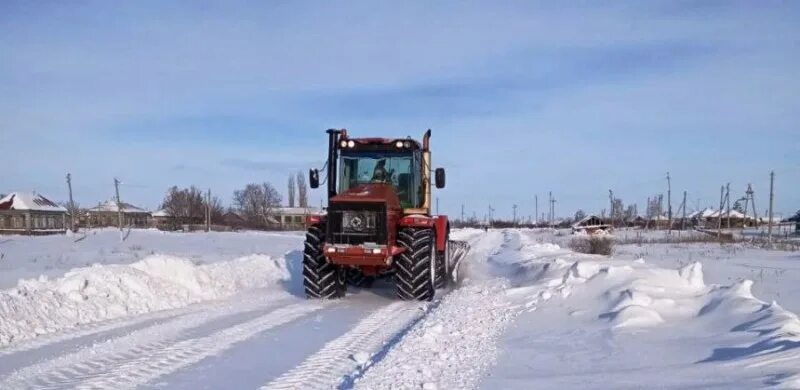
(297,211)
(160,213)
(705,213)
(29,201)
(112,206)
(733,214)
(580,224)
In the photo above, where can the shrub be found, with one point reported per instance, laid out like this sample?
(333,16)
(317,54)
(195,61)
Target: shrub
(593,245)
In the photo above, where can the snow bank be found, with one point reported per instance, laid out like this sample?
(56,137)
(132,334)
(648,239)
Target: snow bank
(639,297)
(101,292)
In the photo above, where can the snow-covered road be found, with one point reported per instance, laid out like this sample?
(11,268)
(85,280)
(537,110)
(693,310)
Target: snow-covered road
(526,314)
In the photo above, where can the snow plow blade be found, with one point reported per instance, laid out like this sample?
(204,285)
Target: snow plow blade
(458,251)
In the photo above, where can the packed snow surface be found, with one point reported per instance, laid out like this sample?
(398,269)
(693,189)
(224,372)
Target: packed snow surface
(225,310)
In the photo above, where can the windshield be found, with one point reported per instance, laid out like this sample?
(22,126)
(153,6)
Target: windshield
(398,169)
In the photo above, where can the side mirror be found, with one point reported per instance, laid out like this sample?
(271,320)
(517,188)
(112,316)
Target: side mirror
(439,177)
(313,178)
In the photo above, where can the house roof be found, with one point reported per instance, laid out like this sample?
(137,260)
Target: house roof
(29,201)
(582,222)
(160,213)
(112,207)
(297,211)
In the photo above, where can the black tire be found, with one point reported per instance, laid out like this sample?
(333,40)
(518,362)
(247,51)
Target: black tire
(321,279)
(442,269)
(414,272)
(357,278)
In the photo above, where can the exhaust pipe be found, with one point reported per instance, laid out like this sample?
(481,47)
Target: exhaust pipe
(333,156)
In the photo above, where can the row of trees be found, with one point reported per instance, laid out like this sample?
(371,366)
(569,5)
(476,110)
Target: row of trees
(255,203)
(302,190)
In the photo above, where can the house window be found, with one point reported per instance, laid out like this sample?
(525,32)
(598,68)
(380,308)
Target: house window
(17,222)
(2,221)
(298,219)
(51,222)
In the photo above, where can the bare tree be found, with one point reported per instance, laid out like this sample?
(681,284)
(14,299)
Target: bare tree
(579,215)
(630,213)
(302,190)
(655,207)
(256,202)
(291,191)
(186,205)
(738,205)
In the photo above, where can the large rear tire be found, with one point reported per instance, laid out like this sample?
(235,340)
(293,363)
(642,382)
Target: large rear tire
(414,267)
(321,279)
(442,268)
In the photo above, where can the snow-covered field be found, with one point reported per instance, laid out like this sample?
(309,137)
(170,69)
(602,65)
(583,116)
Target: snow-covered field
(224,310)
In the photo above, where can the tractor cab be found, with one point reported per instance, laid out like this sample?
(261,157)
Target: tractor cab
(387,162)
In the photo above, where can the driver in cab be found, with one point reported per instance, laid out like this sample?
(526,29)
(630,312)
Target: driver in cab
(380,174)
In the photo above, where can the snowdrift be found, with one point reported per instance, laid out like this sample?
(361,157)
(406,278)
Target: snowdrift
(101,292)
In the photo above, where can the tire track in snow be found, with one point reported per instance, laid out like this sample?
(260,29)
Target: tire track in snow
(453,345)
(327,367)
(138,367)
(64,369)
(92,329)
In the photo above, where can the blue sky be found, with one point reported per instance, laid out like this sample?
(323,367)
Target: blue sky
(523,97)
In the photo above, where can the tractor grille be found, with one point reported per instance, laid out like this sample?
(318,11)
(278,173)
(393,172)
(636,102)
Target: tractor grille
(357,223)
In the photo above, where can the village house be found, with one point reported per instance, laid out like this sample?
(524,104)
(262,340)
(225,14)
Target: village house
(107,214)
(292,218)
(590,224)
(162,220)
(31,213)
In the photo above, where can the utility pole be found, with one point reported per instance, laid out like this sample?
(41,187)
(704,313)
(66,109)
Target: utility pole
(553,211)
(515,215)
(208,211)
(550,209)
(462,213)
(119,207)
(771,199)
(669,203)
(728,203)
(750,196)
(536,208)
(719,214)
(683,206)
(71,203)
(611,206)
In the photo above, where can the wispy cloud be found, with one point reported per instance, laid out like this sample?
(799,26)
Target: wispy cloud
(223,95)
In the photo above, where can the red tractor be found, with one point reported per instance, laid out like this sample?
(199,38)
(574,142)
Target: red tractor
(379,221)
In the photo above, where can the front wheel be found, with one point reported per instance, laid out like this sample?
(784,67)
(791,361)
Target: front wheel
(321,278)
(414,267)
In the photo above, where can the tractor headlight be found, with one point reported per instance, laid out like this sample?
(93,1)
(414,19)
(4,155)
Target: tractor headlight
(343,143)
(358,221)
(398,144)
(407,144)
(351,144)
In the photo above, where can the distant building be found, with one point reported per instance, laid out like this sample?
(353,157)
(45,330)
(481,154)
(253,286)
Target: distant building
(590,224)
(161,219)
(31,213)
(107,214)
(233,220)
(292,218)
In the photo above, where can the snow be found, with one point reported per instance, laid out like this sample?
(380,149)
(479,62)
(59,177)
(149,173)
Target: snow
(25,257)
(224,310)
(102,292)
(29,201)
(112,206)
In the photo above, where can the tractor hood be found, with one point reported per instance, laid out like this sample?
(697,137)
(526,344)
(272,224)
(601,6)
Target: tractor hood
(373,192)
